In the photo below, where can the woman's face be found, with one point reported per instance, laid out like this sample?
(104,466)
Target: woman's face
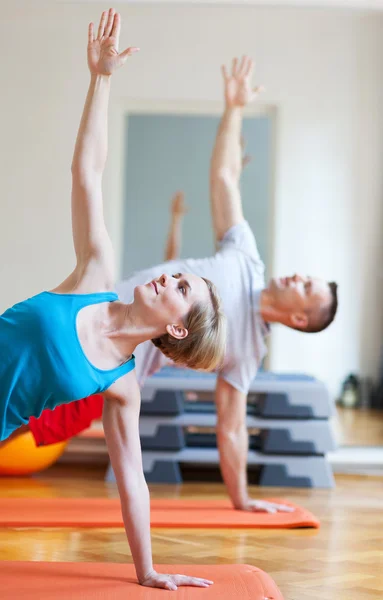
(168,299)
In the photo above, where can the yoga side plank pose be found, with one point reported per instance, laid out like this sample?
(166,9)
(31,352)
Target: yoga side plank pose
(78,339)
(304,303)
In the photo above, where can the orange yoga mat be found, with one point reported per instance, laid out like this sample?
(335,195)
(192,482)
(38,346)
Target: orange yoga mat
(106,512)
(109,581)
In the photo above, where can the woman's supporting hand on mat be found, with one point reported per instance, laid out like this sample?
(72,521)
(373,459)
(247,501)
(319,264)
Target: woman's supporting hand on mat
(172,582)
(103,55)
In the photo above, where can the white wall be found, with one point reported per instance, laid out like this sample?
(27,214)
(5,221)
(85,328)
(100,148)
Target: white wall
(322,71)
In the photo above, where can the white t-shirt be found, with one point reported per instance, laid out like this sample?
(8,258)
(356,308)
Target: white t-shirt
(238,272)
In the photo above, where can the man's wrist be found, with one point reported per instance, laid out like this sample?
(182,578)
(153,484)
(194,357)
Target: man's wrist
(240,499)
(234,108)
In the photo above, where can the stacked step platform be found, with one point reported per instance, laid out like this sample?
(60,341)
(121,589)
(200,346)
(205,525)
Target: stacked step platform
(287,418)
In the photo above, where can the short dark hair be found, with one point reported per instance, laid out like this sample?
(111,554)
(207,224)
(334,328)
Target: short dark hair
(327,316)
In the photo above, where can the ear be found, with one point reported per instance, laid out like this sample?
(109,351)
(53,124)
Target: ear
(177,331)
(299,320)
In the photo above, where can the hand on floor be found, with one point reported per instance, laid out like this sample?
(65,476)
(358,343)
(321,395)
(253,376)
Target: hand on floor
(264,506)
(172,582)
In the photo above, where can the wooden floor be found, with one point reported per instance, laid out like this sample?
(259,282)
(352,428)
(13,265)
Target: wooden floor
(358,427)
(341,561)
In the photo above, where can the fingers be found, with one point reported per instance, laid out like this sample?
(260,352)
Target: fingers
(243,66)
(128,52)
(169,585)
(284,508)
(234,68)
(271,507)
(192,581)
(246,68)
(90,33)
(165,582)
(250,68)
(268,509)
(116,28)
(257,90)
(101,26)
(239,69)
(171,582)
(109,23)
(179,199)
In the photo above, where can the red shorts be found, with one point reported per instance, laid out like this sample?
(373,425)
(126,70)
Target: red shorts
(66,420)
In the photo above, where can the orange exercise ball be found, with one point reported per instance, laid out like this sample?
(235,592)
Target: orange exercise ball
(21,456)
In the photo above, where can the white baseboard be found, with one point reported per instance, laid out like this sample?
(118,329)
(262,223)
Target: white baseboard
(364,460)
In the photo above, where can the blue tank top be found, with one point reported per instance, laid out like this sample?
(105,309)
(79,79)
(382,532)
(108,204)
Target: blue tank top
(42,363)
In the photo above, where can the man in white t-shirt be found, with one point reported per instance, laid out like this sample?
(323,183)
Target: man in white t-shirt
(303,303)
(237,271)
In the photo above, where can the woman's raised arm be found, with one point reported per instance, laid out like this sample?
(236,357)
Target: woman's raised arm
(91,240)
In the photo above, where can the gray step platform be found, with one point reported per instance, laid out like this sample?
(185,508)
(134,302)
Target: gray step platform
(291,396)
(278,436)
(283,471)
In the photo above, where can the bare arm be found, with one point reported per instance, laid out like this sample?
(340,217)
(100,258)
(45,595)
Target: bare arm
(122,437)
(90,236)
(226,163)
(177,213)
(91,240)
(233,442)
(121,415)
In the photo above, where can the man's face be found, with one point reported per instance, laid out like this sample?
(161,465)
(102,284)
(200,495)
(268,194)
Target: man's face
(300,295)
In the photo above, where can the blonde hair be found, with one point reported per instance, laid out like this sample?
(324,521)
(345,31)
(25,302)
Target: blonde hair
(205,345)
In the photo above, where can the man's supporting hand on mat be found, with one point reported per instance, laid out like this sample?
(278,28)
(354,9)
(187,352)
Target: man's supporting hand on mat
(226,167)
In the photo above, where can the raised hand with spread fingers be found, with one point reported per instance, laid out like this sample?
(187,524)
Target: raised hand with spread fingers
(238,86)
(103,55)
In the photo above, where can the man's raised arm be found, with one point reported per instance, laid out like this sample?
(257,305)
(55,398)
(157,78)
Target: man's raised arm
(226,163)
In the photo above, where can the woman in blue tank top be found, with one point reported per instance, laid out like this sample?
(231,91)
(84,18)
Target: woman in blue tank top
(78,339)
